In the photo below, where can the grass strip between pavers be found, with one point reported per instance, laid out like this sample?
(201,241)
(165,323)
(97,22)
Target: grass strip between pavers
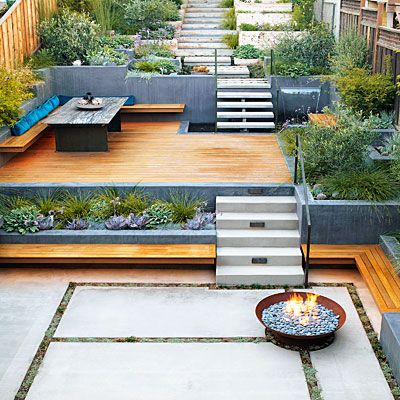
(310,373)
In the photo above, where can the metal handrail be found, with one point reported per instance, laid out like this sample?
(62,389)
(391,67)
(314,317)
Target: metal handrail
(273,72)
(300,159)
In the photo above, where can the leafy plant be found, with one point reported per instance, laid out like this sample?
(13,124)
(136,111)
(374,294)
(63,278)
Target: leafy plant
(77,224)
(105,13)
(15,88)
(200,221)
(8,203)
(134,202)
(165,31)
(183,206)
(48,201)
(69,36)
(247,51)
(288,139)
(229,21)
(231,40)
(116,222)
(303,13)
(366,184)
(154,49)
(76,5)
(45,223)
(382,121)
(116,41)
(143,15)
(137,221)
(76,207)
(22,220)
(166,67)
(107,56)
(102,204)
(158,213)
(293,70)
(41,59)
(351,51)
(366,93)
(265,27)
(226,3)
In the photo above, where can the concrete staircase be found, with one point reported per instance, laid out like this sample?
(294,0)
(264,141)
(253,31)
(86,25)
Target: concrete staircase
(244,104)
(258,241)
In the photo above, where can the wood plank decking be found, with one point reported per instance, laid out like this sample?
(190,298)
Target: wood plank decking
(374,266)
(154,152)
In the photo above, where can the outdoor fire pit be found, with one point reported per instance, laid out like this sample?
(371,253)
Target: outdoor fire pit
(301,319)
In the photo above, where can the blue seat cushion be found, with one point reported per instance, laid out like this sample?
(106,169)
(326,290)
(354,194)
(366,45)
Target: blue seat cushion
(64,99)
(47,106)
(20,127)
(42,112)
(32,118)
(55,101)
(130,101)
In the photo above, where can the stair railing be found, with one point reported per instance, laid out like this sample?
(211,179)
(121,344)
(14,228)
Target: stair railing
(299,159)
(216,89)
(273,72)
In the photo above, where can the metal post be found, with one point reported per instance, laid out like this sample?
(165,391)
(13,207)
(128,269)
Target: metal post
(307,266)
(216,89)
(296,160)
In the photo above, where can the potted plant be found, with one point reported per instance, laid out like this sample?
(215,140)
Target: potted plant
(200,70)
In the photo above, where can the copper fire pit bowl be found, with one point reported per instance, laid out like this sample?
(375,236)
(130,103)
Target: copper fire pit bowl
(303,341)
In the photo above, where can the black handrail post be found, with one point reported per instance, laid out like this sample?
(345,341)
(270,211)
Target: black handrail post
(307,266)
(216,90)
(296,160)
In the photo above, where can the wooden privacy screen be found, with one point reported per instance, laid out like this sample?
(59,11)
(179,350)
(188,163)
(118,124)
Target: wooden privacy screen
(18,30)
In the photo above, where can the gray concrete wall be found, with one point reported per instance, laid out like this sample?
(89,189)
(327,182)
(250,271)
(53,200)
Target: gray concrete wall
(349,222)
(390,341)
(302,99)
(328,11)
(197,92)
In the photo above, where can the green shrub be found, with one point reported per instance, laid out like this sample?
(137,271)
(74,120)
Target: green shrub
(69,36)
(229,21)
(293,70)
(265,27)
(41,59)
(164,67)
(22,220)
(146,66)
(159,214)
(106,14)
(116,42)
(364,92)
(288,140)
(312,50)
(15,88)
(231,40)
(226,3)
(134,202)
(328,150)
(76,5)
(256,70)
(303,13)
(351,51)
(365,184)
(183,206)
(154,49)
(107,56)
(382,121)
(247,51)
(142,15)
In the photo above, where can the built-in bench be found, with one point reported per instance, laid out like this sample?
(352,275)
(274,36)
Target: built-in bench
(107,254)
(373,265)
(153,108)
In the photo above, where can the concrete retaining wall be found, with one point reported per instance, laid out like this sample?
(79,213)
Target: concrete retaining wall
(196,91)
(390,341)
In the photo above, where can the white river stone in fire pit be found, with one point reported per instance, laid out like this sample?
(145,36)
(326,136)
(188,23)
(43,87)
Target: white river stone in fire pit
(300,317)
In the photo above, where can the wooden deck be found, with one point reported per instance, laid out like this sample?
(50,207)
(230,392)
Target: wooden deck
(154,152)
(374,266)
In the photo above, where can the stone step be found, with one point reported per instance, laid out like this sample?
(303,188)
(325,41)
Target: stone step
(255,256)
(258,238)
(256,204)
(232,220)
(245,114)
(203,53)
(260,275)
(208,14)
(193,19)
(206,10)
(245,104)
(244,95)
(200,45)
(232,72)
(197,26)
(245,125)
(206,60)
(205,32)
(201,39)
(243,84)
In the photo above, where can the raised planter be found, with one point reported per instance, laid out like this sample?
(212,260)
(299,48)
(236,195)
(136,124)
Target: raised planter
(390,341)
(89,236)
(391,247)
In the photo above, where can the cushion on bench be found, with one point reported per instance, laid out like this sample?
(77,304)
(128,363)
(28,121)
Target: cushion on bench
(65,99)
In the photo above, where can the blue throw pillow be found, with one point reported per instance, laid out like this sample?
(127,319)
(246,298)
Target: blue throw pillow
(130,101)
(55,101)
(20,127)
(32,118)
(64,99)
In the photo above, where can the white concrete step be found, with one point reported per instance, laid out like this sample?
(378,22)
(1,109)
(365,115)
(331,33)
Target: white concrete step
(232,71)
(205,32)
(245,125)
(233,220)
(245,104)
(194,19)
(199,45)
(203,53)
(244,95)
(261,275)
(206,60)
(255,256)
(196,26)
(200,40)
(258,238)
(198,14)
(245,114)
(243,84)
(206,10)
(256,204)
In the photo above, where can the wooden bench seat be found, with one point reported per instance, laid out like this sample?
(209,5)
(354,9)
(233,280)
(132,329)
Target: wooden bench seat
(18,144)
(373,265)
(153,108)
(107,254)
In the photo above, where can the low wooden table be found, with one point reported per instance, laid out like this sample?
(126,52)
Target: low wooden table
(79,130)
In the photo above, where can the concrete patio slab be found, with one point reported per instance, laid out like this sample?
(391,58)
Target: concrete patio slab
(162,312)
(348,369)
(169,371)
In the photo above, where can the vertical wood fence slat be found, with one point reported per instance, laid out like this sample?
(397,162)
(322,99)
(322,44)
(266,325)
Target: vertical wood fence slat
(18,30)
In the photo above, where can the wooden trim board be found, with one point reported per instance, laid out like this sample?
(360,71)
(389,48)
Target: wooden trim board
(373,265)
(153,108)
(18,144)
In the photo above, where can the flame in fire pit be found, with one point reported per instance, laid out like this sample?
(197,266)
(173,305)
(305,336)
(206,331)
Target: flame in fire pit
(304,310)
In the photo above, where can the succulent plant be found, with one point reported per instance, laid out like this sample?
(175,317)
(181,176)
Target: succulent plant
(77,224)
(45,223)
(158,214)
(200,221)
(116,222)
(22,220)
(137,222)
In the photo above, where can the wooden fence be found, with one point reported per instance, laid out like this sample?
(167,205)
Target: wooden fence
(18,29)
